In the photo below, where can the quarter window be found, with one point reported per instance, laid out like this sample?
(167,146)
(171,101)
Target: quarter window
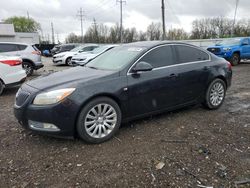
(159,57)
(190,54)
(8,48)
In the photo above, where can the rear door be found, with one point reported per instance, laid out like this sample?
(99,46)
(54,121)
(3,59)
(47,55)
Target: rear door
(157,89)
(193,69)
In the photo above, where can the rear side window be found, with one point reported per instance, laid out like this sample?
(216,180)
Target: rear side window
(159,57)
(190,54)
(8,47)
(21,47)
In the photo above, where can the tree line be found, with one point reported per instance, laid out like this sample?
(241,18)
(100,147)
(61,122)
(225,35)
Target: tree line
(206,28)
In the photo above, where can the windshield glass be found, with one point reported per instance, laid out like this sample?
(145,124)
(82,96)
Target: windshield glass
(116,58)
(76,49)
(229,42)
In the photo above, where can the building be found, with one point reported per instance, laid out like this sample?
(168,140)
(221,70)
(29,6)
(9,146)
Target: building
(8,34)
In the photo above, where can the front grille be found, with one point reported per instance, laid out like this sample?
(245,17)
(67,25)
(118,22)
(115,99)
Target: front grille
(21,97)
(214,50)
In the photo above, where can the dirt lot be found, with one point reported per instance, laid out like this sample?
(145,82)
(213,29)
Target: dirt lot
(185,148)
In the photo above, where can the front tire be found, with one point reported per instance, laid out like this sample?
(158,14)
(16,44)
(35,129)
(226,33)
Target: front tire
(28,67)
(235,59)
(68,61)
(1,87)
(215,94)
(99,120)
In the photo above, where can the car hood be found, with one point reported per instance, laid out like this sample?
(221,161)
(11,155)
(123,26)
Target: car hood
(222,46)
(70,78)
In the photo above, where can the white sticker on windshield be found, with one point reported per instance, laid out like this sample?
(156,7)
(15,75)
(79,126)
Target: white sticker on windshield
(135,49)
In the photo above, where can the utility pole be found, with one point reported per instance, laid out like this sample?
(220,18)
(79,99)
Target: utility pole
(163,20)
(28,15)
(235,12)
(121,2)
(81,15)
(96,38)
(53,34)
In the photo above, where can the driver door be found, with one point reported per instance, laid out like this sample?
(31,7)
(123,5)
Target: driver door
(156,89)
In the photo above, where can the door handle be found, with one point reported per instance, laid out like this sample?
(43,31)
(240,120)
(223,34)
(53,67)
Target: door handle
(173,75)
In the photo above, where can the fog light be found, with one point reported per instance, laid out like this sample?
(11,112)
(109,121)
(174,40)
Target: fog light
(39,126)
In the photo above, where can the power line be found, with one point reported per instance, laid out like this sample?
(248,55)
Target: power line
(121,3)
(81,15)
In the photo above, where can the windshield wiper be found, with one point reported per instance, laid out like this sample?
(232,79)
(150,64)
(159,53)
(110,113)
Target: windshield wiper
(92,67)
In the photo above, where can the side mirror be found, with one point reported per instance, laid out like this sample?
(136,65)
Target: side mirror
(142,67)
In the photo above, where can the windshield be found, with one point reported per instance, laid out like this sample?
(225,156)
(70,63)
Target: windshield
(116,58)
(78,48)
(229,42)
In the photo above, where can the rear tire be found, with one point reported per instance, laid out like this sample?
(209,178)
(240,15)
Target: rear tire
(28,67)
(235,59)
(215,94)
(1,87)
(99,120)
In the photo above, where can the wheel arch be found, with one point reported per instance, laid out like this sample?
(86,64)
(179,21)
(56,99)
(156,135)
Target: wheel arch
(111,96)
(28,60)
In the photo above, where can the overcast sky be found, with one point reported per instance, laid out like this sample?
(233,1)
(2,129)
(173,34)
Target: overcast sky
(137,13)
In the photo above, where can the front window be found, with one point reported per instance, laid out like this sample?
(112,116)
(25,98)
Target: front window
(116,58)
(79,48)
(229,42)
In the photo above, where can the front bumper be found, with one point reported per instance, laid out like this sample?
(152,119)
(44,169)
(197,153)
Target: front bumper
(63,115)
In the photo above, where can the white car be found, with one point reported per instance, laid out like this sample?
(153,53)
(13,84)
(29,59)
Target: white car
(65,57)
(30,55)
(83,58)
(11,72)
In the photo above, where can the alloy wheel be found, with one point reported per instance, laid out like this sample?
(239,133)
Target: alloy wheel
(217,94)
(100,120)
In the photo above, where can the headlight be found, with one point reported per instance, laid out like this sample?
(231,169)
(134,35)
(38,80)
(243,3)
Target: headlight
(60,56)
(227,49)
(52,97)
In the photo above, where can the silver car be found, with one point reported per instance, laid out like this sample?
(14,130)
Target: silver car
(85,57)
(65,57)
(29,54)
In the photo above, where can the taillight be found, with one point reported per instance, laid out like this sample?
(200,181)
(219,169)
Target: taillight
(36,52)
(229,65)
(11,62)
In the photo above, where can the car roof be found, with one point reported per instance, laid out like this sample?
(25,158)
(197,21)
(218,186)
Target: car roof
(151,44)
(21,43)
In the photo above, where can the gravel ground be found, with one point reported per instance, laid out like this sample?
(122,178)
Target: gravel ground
(185,148)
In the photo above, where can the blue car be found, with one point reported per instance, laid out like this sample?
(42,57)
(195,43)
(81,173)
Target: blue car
(232,50)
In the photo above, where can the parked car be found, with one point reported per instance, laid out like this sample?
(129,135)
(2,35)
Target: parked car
(84,58)
(127,82)
(30,55)
(65,57)
(62,48)
(232,50)
(11,72)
